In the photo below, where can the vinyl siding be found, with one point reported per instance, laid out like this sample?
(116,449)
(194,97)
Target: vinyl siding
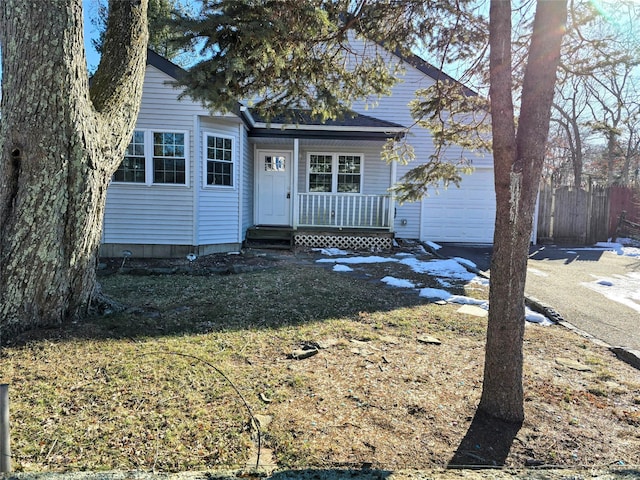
(175,215)
(394,108)
(248,184)
(218,206)
(156,214)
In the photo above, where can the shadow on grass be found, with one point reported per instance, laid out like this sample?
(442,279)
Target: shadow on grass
(278,297)
(486,444)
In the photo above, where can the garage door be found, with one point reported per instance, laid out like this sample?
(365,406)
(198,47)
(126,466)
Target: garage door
(464,214)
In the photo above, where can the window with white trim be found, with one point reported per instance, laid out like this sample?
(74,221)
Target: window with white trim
(132,167)
(169,161)
(219,160)
(335,173)
(154,158)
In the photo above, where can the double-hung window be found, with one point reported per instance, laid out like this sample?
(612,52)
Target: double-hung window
(219,160)
(154,157)
(335,173)
(169,161)
(132,169)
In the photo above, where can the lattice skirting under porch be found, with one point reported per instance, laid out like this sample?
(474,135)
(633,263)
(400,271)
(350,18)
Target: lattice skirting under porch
(347,242)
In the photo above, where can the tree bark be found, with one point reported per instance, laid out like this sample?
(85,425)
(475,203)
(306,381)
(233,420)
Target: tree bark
(518,160)
(59,146)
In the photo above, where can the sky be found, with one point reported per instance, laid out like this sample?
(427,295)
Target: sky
(90,9)
(624,289)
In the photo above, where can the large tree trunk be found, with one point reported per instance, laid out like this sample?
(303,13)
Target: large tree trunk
(518,160)
(59,146)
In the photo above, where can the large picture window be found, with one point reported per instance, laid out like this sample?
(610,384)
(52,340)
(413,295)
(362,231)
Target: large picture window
(335,173)
(154,158)
(219,160)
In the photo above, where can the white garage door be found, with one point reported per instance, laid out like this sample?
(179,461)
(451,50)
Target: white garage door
(465,214)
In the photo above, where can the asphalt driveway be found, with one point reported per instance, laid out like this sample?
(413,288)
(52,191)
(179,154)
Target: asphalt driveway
(558,276)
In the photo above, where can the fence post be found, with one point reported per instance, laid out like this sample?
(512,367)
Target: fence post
(5,448)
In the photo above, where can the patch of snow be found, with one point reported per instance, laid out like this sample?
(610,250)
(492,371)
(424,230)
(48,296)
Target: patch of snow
(435,246)
(404,254)
(535,317)
(331,252)
(631,251)
(356,260)
(448,268)
(624,289)
(435,293)
(398,282)
(480,281)
(465,262)
(338,267)
(464,300)
(610,246)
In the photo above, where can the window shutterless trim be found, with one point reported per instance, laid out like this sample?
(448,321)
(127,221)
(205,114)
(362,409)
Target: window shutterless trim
(232,163)
(334,171)
(149,157)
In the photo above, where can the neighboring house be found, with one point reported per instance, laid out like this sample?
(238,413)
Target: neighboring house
(196,181)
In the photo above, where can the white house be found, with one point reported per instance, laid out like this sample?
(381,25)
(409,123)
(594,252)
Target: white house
(197,181)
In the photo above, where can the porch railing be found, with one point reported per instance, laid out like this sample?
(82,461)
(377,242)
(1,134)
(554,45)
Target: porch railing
(344,210)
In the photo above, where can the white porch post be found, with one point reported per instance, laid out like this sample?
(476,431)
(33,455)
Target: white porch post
(294,183)
(392,199)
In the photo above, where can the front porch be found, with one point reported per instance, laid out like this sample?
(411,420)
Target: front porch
(343,211)
(282,237)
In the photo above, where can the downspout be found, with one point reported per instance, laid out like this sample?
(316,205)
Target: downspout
(294,183)
(392,200)
(240,181)
(196,165)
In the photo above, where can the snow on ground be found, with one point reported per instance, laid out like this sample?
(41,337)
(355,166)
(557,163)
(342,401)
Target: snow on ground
(398,282)
(442,269)
(330,251)
(620,288)
(434,246)
(623,246)
(338,267)
(624,289)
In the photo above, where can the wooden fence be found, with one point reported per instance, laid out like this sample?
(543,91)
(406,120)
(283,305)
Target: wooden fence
(567,215)
(623,199)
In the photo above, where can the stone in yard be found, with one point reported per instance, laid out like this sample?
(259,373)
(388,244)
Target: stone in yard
(473,310)
(300,354)
(267,464)
(327,343)
(429,340)
(390,339)
(573,364)
(263,420)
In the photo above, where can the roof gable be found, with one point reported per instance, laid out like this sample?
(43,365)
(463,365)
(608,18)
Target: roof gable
(164,65)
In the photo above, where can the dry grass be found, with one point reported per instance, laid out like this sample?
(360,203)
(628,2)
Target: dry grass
(110,393)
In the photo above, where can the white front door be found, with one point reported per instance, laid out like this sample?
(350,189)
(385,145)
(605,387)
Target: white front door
(273,188)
